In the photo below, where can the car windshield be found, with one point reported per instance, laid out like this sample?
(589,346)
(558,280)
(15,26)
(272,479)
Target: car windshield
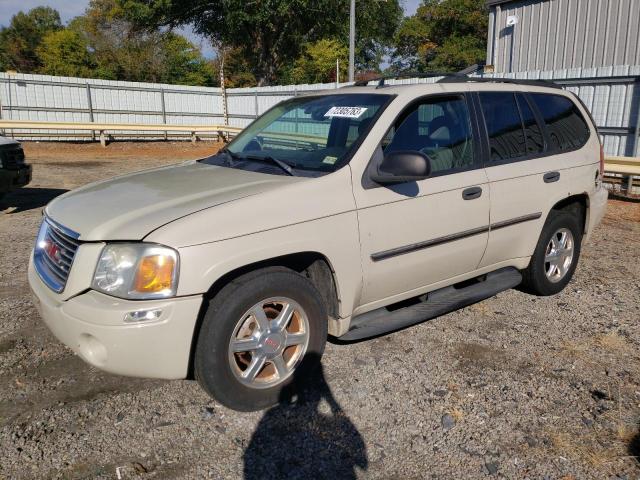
(310,134)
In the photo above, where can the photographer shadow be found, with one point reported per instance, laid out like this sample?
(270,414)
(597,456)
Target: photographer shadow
(307,435)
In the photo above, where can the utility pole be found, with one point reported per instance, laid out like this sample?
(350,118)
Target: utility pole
(352,40)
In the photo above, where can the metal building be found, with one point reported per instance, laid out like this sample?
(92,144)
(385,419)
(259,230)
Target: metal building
(529,35)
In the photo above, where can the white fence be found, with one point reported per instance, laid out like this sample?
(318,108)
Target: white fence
(611,93)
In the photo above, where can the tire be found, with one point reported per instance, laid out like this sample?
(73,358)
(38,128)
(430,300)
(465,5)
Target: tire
(233,318)
(540,277)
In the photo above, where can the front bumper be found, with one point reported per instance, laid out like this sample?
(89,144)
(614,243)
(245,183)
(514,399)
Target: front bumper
(92,325)
(11,179)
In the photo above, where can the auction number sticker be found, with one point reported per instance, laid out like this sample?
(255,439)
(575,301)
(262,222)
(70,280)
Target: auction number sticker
(346,112)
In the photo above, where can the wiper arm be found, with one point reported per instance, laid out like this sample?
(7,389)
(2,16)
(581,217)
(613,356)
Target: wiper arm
(283,165)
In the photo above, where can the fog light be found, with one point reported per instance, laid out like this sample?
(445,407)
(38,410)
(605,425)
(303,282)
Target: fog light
(140,316)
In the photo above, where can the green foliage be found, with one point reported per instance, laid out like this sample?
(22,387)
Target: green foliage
(102,43)
(20,40)
(272,35)
(64,52)
(317,64)
(237,70)
(263,42)
(442,35)
(376,24)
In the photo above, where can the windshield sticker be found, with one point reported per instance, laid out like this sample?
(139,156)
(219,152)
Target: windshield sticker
(330,160)
(346,112)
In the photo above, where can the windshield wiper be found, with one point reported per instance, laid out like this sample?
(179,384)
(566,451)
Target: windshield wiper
(283,165)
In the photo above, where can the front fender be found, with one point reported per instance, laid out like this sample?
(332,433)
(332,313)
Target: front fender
(335,237)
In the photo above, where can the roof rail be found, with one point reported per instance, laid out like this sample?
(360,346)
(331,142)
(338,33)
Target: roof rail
(381,79)
(516,81)
(455,77)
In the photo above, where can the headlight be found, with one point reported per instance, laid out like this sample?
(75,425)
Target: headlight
(137,271)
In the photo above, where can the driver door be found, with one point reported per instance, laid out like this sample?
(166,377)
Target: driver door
(416,234)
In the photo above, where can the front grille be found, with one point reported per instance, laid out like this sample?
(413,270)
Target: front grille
(54,253)
(12,158)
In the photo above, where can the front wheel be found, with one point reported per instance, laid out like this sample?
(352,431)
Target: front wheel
(556,255)
(259,333)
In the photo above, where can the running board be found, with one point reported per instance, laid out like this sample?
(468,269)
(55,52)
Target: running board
(436,303)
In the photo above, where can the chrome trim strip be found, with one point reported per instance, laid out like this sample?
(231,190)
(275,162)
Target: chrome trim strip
(514,221)
(394,252)
(64,230)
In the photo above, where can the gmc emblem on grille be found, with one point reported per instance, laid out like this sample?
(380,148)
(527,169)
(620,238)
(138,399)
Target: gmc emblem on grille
(53,251)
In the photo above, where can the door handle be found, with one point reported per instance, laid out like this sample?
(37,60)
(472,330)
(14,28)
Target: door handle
(471,193)
(551,177)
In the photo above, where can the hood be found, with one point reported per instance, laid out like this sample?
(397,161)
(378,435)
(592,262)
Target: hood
(131,206)
(8,141)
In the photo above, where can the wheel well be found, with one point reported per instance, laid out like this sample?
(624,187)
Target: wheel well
(313,265)
(575,204)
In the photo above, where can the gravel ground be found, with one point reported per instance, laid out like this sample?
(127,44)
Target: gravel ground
(513,387)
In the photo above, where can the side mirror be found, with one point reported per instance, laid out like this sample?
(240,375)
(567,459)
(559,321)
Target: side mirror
(401,167)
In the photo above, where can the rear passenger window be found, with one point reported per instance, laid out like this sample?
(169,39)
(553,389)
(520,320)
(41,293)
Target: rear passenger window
(504,126)
(566,126)
(532,132)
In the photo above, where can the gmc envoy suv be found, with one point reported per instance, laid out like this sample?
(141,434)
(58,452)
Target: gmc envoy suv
(352,213)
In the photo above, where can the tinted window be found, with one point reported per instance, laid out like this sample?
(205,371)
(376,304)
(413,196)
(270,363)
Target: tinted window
(532,132)
(566,126)
(504,126)
(440,128)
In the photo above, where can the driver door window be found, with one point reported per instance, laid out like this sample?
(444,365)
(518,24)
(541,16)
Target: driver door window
(439,128)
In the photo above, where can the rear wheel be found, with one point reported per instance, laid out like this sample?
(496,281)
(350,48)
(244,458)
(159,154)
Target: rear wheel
(256,333)
(556,255)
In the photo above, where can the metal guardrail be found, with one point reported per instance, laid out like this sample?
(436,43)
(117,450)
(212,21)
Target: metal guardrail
(623,173)
(109,129)
(622,165)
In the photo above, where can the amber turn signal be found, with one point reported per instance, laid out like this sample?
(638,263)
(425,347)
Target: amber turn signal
(155,274)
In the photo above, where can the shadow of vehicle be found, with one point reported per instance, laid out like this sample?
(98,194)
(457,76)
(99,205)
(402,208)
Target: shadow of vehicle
(307,435)
(28,198)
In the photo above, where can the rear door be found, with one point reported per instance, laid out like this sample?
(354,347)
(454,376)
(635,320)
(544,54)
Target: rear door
(526,166)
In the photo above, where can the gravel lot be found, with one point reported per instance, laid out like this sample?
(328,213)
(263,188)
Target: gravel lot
(513,387)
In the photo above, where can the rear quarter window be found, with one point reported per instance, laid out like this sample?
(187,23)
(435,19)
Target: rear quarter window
(566,126)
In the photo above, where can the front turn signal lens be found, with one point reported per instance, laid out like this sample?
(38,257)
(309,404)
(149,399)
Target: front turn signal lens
(155,274)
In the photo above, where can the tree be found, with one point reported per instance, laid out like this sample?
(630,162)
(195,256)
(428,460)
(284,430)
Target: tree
(237,71)
(376,24)
(65,52)
(20,40)
(442,35)
(270,35)
(125,53)
(317,64)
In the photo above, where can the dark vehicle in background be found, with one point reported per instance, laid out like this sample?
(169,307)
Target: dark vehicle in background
(14,172)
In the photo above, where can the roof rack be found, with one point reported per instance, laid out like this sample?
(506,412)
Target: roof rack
(455,77)
(396,76)
(516,81)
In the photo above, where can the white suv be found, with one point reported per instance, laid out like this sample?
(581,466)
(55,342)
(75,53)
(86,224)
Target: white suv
(352,212)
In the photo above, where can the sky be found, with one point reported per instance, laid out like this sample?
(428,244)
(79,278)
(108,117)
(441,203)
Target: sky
(72,8)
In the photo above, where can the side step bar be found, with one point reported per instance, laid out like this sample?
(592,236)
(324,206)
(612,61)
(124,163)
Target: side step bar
(436,303)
